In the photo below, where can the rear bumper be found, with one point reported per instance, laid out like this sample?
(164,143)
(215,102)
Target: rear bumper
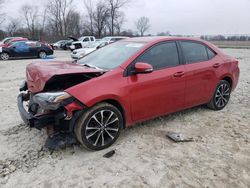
(41,121)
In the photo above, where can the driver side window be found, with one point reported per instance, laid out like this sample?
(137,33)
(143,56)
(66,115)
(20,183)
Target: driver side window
(161,56)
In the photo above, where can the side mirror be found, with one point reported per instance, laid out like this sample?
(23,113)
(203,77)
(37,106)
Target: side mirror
(143,68)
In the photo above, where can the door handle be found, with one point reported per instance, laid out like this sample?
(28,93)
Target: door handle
(179,74)
(216,65)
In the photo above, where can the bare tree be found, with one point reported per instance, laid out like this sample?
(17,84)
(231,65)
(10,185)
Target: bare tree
(100,18)
(58,13)
(31,17)
(142,25)
(2,15)
(13,26)
(114,12)
(90,11)
(74,26)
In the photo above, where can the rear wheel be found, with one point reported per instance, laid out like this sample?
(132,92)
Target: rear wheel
(99,127)
(42,54)
(4,56)
(221,96)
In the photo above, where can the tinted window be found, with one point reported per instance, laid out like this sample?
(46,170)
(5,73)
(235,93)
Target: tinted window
(210,54)
(194,52)
(86,39)
(162,55)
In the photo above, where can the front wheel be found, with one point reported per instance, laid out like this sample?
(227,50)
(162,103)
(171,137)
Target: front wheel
(99,127)
(221,96)
(42,54)
(4,56)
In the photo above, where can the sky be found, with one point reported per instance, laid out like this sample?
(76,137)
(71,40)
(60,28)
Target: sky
(186,17)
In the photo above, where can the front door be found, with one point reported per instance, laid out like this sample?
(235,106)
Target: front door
(161,91)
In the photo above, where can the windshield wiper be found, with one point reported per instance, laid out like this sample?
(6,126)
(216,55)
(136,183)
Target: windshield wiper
(91,66)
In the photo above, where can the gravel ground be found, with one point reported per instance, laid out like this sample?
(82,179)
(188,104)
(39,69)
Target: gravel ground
(219,156)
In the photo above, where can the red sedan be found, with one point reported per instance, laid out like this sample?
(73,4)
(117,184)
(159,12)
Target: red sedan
(133,80)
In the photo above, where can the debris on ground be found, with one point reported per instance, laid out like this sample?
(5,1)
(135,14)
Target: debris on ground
(178,137)
(109,154)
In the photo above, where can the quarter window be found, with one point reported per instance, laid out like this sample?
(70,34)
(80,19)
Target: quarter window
(194,52)
(162,55)
(210,54)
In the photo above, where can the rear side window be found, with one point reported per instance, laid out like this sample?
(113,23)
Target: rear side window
(194,52)
(161,56)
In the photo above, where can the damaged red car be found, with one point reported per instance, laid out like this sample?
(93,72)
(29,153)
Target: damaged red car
(133,80)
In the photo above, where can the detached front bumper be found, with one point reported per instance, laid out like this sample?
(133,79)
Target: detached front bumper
(40,121)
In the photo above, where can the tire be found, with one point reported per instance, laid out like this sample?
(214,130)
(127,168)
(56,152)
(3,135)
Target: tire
(95,132)
(42,54)
(4,56)
(221,96)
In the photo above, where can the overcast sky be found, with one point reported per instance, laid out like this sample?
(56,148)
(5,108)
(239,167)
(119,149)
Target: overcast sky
(177,16)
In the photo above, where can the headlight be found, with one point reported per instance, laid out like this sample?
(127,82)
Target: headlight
(50,100)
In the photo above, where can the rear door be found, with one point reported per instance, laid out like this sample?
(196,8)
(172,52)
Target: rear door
(200,72)
(161,91)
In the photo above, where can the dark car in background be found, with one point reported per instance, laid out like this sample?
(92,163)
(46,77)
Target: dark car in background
(25,49)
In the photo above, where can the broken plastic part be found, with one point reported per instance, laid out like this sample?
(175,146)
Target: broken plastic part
(178,137)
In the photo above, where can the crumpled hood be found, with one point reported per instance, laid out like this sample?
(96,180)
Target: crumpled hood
(39,73)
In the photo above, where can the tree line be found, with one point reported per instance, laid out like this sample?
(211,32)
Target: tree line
(58,19)
(226,38)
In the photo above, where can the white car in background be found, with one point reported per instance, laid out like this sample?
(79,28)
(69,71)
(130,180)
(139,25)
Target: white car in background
(79,53)
(82,42)
(113,39)
(57,45)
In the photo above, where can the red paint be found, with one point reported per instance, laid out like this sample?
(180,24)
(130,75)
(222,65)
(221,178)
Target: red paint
(12,41)
(40,72)
(145,96)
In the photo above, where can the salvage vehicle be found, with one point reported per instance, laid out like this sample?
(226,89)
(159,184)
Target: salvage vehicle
(123,83)
(25,49)
(79,53)
(82,42)
(57,45)
(66,44)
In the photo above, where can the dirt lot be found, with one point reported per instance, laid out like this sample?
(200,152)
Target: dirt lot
(218,157)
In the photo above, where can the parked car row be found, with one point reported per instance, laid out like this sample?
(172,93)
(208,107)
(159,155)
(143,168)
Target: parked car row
(92,46)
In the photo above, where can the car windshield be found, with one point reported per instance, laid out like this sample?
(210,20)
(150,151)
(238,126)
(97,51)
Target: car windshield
(112,55)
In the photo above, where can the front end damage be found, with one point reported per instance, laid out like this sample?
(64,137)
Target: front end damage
(56,112)
(44,104)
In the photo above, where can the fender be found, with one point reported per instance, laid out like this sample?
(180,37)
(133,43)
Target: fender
(106,87)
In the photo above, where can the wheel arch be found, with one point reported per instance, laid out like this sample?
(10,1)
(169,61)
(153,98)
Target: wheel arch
(228,79)
(118,105)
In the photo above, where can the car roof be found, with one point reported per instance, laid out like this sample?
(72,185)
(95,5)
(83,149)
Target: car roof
(158,39)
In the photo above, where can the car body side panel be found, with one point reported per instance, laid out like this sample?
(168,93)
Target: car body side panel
(110,86)
(202,78)
(157,93)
